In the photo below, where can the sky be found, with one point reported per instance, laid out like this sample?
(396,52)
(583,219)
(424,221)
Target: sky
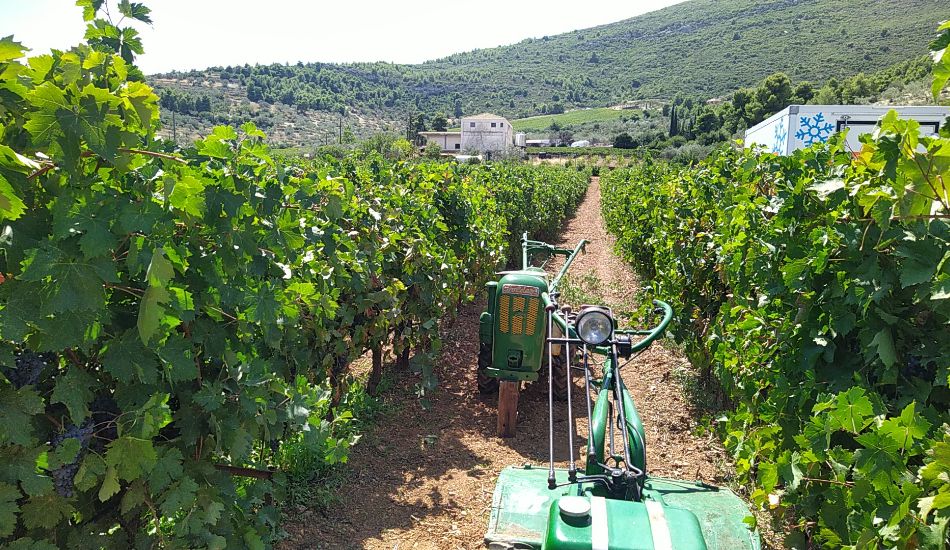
(196,34)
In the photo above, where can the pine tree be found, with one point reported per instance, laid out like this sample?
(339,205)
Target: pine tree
(674,122)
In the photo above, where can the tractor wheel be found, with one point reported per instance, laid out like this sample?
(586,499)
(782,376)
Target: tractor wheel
(486,384)
(560,377)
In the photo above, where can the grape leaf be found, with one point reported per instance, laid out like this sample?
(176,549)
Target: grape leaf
(151,312)
(110,484)
(167,468)
(134,10)
(73,389)
(907,428)
(10,50)
(180,496)
(852,411)
(131,457)
(8,508)
(16,409)
(128,361)
(11,206)
(45,512)
(884,341)
(188,195)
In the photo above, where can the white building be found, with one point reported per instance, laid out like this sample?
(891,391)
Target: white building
(800,126)
(484,133)
(450,142)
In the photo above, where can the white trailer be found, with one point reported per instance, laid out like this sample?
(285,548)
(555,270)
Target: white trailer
(800,126)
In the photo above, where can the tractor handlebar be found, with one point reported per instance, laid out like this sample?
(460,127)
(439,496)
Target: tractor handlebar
(655,332)
(649,336)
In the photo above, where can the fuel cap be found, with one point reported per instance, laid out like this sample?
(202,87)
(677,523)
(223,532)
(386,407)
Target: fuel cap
(574,507)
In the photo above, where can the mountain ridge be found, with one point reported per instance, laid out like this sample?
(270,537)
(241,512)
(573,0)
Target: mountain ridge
(699,48)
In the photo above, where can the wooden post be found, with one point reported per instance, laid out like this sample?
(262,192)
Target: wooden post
(508,407)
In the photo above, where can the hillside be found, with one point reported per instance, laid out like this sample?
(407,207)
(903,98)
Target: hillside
(702,48)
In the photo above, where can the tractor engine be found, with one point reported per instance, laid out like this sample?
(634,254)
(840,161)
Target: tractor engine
(512,332)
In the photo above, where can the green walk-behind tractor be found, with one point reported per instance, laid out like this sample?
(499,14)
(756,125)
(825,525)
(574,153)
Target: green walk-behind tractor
(608,502)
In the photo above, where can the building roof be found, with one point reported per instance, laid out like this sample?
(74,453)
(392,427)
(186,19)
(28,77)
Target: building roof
(440,133)
(484,116)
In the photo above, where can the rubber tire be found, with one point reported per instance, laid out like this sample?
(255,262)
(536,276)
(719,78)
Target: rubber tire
(560,377)
(487,385)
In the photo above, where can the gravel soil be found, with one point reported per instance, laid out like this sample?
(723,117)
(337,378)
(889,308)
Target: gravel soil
(423,479)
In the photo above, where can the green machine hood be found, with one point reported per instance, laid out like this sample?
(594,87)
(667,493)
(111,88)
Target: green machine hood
(674,515)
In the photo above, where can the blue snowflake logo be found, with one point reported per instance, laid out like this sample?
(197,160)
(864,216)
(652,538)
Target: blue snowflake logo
(814,130)
(781,134)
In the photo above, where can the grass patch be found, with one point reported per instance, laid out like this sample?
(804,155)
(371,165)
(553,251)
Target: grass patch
(314,461)
(571,118)
(586,289)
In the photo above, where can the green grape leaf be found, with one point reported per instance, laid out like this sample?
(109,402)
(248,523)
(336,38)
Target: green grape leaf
(134,10)
(907,428)
(8,508)
(167,468)
(74,389)
(131,457)
(45,512)
(110,484)
(853,411)
(129,361)
(10,50)
(89,8)
(188,195)
(180,496)
(43,123)
(178,357)
(884,342)
(151,312)
(26,543)
(16,409)
(11,206)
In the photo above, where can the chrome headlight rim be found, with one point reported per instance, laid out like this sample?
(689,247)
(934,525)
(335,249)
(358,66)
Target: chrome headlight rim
(595,314)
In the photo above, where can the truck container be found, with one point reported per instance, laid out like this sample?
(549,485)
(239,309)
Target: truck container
(800,126)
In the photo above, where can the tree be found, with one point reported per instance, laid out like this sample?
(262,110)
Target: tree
(674,123)
(707,122)
(774,95)
(432,151)
(439,123)
(804,92)
(624,141)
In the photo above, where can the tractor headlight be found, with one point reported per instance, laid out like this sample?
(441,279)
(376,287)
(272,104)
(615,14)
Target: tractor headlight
(594,326)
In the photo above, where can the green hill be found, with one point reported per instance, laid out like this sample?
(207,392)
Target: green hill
(701,48)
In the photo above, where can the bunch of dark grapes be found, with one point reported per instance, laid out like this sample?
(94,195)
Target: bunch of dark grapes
(64,475)
(104,413)
(29,367)
(914,367)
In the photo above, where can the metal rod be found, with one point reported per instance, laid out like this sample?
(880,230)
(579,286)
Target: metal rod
(610,425)
(567,263)
(618,398)
(552,482)
(590,421)
(571,466)
(524,251)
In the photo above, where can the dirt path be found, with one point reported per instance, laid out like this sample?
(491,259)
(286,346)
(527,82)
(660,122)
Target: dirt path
(423,479)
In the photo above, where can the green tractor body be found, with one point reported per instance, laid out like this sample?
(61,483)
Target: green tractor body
(604,499)
(672,515)
(514,325)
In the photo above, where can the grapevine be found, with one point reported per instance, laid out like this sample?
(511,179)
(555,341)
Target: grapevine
(815,289)
(172,316)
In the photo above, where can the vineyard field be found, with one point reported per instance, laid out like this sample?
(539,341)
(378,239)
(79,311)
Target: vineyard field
(175,322)
(815,290)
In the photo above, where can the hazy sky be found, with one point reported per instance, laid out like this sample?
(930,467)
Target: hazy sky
(194,34)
